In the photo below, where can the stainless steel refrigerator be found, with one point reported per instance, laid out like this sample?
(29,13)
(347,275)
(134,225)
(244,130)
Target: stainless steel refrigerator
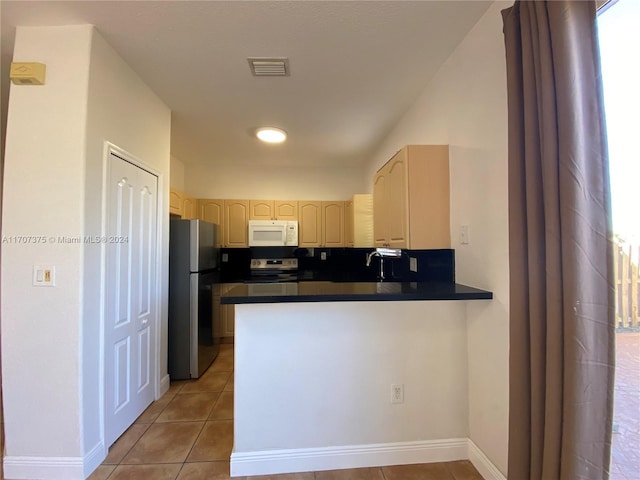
(193,271)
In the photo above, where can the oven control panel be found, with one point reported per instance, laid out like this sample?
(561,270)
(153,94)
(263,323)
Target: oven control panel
(274,264)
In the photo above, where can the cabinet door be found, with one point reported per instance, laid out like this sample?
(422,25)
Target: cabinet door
(349,223)
(363,220)
(380,237)
(396,201)
(236,223)
(333,224)
(227,312)
(217,312)
(228,320)
(310,226)
(428,194)
(261,210)
(286,210)
(188,208)
(212,210)
(175,202)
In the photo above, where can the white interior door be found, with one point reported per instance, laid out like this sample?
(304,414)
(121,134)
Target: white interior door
(130,316)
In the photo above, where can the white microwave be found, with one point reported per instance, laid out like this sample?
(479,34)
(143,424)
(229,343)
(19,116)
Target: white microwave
(273,233)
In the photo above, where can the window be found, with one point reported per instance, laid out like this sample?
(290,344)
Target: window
(619,38)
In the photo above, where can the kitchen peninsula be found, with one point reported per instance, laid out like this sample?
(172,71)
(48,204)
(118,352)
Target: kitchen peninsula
(351,292)
(349,374)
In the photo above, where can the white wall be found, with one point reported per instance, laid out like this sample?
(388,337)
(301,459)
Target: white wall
(278,183)
(51,346)
(177,174)
(315,375)
(44,196)
(464,106)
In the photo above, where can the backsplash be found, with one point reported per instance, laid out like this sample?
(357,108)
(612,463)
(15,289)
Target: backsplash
(344,264)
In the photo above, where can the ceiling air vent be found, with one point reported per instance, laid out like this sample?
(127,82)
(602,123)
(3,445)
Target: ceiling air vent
(269,67)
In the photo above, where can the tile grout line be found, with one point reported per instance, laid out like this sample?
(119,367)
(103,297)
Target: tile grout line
(180,470)
(155,421)
(204,424)
(116,465)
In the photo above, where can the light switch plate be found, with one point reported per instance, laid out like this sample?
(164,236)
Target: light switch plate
(44,276)
(464,234)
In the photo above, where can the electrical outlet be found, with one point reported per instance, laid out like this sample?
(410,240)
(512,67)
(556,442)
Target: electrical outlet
(397,393)
(225,257)
(323,255)
(413,264)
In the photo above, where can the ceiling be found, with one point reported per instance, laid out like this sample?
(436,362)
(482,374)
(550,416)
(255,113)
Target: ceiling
(356,67)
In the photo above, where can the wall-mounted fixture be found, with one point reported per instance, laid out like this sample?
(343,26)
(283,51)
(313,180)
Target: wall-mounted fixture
(271,134)
(27,73)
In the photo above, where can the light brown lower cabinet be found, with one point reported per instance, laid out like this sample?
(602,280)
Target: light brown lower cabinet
(228,320)
(225,314)
(217,312)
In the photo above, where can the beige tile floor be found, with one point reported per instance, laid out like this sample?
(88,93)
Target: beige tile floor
(188,435)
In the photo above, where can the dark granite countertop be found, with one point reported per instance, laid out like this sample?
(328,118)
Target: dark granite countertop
(350,292)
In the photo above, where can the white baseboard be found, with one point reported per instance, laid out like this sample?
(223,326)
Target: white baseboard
(54,468)
(351,456)
(44,468)
(485,467)
(94,458)
(165,383)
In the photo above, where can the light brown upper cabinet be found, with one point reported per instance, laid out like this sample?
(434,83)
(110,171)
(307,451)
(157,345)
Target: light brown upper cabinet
(332,224)
(175,202)
(348,223)
(273,210)
(359,221)
(189,207)
(261,210)
(309,224)
(321,224)
(380,230)
(182,204)
(236,223)
(411,199)
(286,210)
(212,210)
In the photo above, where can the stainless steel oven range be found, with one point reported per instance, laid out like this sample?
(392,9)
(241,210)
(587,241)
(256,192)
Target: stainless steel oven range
(273,270)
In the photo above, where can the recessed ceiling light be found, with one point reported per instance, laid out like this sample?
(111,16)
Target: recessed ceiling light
(271,135)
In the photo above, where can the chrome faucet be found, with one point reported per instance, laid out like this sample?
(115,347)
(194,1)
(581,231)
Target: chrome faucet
(383,253)
(370,256)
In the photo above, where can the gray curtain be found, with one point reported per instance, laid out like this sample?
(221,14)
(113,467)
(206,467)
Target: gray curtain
(560,252)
